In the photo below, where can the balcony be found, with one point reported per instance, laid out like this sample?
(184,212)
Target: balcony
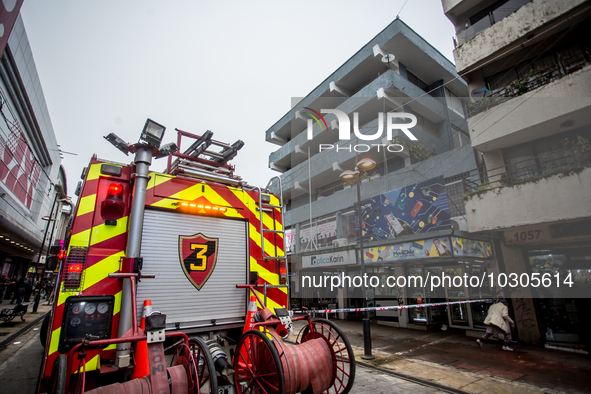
(495,14)
(543,105)
(541,76)
(550,187)
(526,25)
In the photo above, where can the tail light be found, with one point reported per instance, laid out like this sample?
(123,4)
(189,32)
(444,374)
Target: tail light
(73,271)
(112,207)
(282,272)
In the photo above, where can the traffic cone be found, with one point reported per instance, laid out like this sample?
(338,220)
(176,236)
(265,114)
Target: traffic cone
(250,320)
(142,365)
(252,310)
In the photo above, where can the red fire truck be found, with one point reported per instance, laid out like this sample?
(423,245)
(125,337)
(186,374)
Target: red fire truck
(197,229)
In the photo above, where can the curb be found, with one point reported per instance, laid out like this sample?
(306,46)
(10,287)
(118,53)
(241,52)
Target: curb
(412,379)
(404,377)
(4,342)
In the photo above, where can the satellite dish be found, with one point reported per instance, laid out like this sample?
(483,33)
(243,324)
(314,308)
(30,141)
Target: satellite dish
(389,58)
(479,93)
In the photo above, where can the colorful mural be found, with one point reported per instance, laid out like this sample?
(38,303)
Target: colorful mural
(425,248)
(463,247)
(414,209)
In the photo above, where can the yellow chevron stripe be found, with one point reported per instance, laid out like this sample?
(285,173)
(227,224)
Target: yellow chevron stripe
(252,206)
(99,233)
(157,179)
(192,193)
(100,270)
(55,339)
(266,274)
(86,205)
(63,295)
(92,365)
(270,303)
(117,305)
(269,247)
(94,171)
(103,232)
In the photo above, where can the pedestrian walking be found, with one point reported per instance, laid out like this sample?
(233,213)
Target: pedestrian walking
(29,283)
(497,322)
(21,291)
(12,289)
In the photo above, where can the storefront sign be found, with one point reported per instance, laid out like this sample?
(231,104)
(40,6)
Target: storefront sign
(426,248)
(290,240)
(321,234)
(346,257)
(528,235)
(6,269)
(463,247)
(418,208)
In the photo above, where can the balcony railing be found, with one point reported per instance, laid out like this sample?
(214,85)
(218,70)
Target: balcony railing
(495,14)
(536,78)
(528,169)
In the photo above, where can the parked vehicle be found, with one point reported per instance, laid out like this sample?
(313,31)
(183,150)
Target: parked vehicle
(197,228)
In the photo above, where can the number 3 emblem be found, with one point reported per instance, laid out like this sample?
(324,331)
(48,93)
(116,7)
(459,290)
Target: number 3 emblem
(198,256)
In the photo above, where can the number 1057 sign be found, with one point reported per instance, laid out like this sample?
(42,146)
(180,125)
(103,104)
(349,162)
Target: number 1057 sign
(527,235)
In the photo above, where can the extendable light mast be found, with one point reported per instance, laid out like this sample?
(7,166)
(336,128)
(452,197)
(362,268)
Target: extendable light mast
(148,146)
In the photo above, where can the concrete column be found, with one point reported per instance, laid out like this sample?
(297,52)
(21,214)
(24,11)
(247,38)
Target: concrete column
(339,220)
(297,238)
(495,165)
(341,301)
(521,298)
(402,313)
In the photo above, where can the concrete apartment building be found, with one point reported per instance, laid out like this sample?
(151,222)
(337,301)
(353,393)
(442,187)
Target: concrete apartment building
(412,201)
(532,127)
(32,180)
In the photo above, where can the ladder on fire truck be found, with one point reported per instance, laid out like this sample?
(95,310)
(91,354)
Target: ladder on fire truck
(265,205)
(200,161)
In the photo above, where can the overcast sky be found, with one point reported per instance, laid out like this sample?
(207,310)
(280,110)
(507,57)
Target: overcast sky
(231,67)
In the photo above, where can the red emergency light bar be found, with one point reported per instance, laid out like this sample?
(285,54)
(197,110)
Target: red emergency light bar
(115,191)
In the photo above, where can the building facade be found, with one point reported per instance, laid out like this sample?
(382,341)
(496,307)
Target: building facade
(32,180)
(527,64)
(413,214)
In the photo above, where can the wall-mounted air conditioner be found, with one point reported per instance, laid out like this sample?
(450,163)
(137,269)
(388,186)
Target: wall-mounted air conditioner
(339,243)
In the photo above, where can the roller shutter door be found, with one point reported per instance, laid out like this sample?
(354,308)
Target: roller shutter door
(171,291)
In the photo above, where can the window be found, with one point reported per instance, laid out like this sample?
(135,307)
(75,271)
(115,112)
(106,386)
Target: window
(417,81)
(459,137)
(546,156)
(454,103)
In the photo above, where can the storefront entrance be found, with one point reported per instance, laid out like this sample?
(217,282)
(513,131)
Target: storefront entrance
(563,310)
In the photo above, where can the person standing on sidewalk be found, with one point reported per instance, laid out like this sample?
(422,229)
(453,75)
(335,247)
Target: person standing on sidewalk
(4,283)
(21,291)
(497,322)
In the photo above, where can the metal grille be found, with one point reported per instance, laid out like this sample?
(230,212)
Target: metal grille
(455,193)
(73,271)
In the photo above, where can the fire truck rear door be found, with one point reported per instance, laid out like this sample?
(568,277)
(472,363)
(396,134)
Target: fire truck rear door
(173,291)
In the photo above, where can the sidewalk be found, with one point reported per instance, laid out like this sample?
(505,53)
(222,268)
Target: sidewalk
(452,359)
(12,330)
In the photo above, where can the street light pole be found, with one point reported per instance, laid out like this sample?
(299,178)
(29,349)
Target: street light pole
(366,327)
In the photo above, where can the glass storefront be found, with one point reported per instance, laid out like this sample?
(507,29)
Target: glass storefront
(460,315)
(563,317)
